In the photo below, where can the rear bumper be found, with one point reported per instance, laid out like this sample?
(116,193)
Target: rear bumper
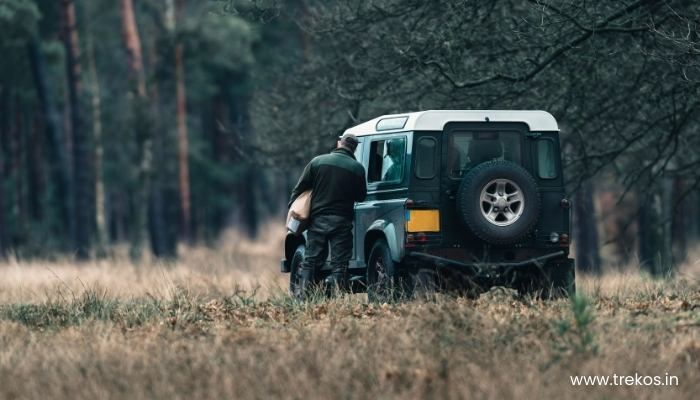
(485,268)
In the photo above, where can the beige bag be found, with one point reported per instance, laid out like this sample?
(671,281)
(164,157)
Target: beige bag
(298,215)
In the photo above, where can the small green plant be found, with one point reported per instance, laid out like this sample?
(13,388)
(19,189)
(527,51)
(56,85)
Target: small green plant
(578,332)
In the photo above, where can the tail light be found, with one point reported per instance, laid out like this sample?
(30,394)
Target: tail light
(564,239)
(416,239)
(419,237)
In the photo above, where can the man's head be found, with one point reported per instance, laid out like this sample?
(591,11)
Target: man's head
(348,141)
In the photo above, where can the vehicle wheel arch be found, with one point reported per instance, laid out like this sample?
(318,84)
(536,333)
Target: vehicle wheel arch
(371,238)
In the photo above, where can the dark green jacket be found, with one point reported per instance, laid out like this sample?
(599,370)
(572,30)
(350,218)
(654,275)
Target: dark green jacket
(336,181)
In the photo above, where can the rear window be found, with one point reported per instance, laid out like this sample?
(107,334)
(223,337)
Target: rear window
(546,162)
(468,149)
(426,157)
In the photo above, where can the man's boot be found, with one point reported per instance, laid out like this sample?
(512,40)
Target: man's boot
(336,282)
(305,284)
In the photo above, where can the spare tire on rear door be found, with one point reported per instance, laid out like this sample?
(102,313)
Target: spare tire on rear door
(498,201)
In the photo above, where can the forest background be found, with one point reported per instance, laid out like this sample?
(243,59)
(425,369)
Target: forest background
(162,123)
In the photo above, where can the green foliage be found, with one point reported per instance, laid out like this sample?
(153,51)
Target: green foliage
(91,305)
(18,25)
(225,40)
(18,19)
(578,333)
(179,309)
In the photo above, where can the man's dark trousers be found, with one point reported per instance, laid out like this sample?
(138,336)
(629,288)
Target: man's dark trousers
(335,230)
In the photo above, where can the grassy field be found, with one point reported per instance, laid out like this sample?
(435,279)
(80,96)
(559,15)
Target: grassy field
(217,324)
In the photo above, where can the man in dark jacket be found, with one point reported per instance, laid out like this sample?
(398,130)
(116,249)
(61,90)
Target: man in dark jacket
(336,181)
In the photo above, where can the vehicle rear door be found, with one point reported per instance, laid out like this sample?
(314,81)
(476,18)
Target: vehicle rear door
(465,145)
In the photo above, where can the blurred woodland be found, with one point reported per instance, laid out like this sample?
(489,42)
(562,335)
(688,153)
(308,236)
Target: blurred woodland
(158,122)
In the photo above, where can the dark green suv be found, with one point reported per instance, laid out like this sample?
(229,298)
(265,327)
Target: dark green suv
(460,200)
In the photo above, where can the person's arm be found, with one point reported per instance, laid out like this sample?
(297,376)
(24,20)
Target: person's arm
(305,183)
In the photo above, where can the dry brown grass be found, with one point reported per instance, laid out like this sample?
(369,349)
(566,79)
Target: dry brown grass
(111,329)
(236,263)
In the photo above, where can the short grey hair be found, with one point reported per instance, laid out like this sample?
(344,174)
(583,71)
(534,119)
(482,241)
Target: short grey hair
(349,141)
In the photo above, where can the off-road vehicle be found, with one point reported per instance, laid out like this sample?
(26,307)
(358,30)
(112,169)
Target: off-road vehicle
(460,200)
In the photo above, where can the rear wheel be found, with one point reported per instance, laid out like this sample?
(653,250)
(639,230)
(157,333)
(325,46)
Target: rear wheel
(384,282)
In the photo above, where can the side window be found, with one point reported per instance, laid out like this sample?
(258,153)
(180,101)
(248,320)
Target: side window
(386,159)
(358,152)
(546,161)
(426,156)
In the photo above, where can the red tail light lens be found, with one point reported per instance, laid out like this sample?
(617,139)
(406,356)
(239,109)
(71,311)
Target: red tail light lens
(419,237)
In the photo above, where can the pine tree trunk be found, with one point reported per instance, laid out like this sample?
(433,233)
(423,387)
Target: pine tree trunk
(132,44)
(650,232)
(586,231)
(17,147)
(60,169)
(247,186)
(35,162)
(3,124)
(667,205)
(163,242)
(183,146)
(680,222)
(99,187)
(221,129)
(81,145)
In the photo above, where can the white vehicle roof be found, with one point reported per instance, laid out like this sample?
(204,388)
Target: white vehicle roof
(435,120)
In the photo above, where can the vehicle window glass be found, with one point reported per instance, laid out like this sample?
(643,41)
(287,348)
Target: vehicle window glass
(358,152)
(546,162)
(468,149)
(425,158)
(386,160)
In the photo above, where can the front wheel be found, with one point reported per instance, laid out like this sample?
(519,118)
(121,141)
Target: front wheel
(295,267)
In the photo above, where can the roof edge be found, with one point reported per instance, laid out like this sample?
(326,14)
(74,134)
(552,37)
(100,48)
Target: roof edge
(433,120)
